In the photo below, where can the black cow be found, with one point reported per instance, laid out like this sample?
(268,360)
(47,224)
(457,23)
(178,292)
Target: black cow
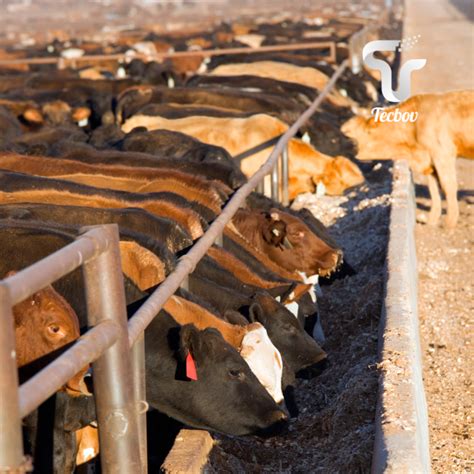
(297,348)
(222,172)
(163,230)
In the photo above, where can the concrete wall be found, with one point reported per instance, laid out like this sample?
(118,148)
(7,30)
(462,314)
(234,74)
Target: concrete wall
(401,440)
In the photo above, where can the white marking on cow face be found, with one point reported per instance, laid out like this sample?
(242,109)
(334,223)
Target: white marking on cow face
(83,122)
(314,281)
(121,73)
(306,138)
(264,360)
(170,82)
(293,307)
(88,454)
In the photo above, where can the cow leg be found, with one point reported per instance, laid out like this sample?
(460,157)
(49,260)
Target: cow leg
(435,211)
(446,169)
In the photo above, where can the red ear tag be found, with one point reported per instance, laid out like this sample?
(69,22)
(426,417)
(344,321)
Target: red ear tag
(191,372)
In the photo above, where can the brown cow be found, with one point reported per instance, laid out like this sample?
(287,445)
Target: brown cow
(44,323)
(440,129)
(288,241)
(185,217)
(124,178)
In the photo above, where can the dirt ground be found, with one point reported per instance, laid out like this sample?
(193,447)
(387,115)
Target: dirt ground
(446,304)
(334,432)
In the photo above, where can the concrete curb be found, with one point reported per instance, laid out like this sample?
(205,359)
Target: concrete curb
(401,436)
(189,454)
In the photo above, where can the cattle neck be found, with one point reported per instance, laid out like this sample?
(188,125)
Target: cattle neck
(185,312)
(233,233)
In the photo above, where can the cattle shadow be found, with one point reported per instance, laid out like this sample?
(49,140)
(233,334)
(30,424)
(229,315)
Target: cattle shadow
(422,192)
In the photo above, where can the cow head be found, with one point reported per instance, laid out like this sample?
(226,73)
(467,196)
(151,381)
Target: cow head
(226,396)
(378,141)
(297,348)
(340,174)
(44,323)
(289,242)
(131,100)
(57,112)
(312,167)
(264,359)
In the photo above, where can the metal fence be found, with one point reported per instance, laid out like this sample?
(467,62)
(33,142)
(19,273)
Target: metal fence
(63,62)
(114,347)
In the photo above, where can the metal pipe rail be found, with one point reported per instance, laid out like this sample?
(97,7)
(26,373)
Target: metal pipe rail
(118,389)
(106,345)
(205,53)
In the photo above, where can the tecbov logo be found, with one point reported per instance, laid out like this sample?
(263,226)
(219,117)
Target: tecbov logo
(406,69)
(403,92)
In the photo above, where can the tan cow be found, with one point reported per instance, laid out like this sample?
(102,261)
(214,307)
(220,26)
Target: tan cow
(443,129)
(307,76)
(307,166)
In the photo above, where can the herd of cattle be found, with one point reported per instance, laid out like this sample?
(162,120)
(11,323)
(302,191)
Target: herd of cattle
(153,153)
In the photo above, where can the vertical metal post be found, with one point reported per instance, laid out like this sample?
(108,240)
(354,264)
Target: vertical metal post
(274,188)
(11,443)
(113,389)
(139,386)
(260,188)
(285,177)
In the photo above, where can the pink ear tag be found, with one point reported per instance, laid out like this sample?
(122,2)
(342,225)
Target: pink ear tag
(191,372)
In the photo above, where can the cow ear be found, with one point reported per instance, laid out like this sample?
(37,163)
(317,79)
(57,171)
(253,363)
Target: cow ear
(234,317)
(256,314)
(274,230)
(189,341)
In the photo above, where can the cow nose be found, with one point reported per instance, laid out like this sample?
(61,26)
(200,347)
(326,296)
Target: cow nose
(283,408)
(278,416)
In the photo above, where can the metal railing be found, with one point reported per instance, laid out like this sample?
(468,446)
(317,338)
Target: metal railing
(105,346)
(62,62)
(119,374)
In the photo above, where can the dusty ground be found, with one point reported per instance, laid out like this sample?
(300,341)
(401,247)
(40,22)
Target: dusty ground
(334,432)
(446,304)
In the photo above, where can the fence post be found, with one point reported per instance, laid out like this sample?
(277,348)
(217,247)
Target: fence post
(285,177)
(139,385)
(11,442)
(113,389)
(274,187)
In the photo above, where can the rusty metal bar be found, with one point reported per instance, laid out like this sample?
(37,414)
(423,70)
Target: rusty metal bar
(143,317)
(11,442)
(285,176)
(139,391)
(41,274)
(203,53)
(47,382)
(113,389)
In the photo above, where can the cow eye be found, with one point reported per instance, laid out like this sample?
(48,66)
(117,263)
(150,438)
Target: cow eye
(53,328)
(236,374)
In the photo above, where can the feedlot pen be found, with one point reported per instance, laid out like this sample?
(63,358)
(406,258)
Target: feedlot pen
(338,422)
